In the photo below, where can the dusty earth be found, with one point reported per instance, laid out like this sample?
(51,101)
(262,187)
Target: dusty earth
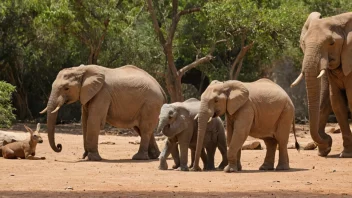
(66,175)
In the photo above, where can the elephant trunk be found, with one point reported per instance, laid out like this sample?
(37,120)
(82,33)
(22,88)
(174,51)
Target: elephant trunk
(162,123)
(204,114)
(311,63)
(54,102)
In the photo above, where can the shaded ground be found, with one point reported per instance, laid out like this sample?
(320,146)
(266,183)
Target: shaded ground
(66,175)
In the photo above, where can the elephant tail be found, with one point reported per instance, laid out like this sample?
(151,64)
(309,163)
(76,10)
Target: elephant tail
(297,146)
(164,94)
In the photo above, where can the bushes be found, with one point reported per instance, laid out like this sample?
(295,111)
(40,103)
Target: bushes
(6,109)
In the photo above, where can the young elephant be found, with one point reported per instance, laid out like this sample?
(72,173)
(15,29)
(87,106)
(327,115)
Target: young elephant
(261,109)
(24,149)
(178,121)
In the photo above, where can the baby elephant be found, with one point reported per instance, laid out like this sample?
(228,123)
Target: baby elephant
(178,121)
(24,149)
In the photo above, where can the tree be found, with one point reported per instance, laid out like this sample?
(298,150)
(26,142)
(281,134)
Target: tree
(173,76)
(260,30)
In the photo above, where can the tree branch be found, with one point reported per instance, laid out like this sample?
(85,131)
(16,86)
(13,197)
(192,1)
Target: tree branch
(155,23)
(189,11)
(174,7)
(101,40)
(202,60)
(194,64)
(239,58)
(176,18)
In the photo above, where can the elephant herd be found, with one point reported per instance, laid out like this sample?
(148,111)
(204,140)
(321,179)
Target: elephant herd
(128,97)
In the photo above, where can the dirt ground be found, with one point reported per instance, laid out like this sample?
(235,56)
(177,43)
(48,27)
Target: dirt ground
(66,175)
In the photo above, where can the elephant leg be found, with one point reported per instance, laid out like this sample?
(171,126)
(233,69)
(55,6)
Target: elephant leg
(339,104)
(269,160)
(84,129)
(346,134)
(142,153)
(169,145)
(223,150)
(97,111)
(176,156)
(282,135)
(153,150)
(193,152)
(239,165)
(325,110)
(241,129)
(204,157)
(184,157)
(211,149)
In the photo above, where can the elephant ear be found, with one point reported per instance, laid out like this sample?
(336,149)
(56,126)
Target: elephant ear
(92,81)
(313,15)
(346,54)
(237,96)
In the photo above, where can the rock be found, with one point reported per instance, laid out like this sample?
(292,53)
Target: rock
(304,145)
(310,146)
(252,145)
(8,137)
(69,188)
(135,142)
(108,143)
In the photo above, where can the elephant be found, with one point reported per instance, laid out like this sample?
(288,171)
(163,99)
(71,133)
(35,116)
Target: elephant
(125,97)
(261,109)
(327,47)
(178,122)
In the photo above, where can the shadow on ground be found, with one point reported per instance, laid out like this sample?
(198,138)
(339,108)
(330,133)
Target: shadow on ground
(153,193)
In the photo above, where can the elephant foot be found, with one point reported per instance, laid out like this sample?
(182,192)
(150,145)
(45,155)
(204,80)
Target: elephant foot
(140,156)
(222,165)
(267,166)
(85,154)
(175,166)
(346,154)
(324,149)
(182,168)
(280,167)
(163,165)
(231,168)
(209,168)
(196,168)
(94,156)
(153,153)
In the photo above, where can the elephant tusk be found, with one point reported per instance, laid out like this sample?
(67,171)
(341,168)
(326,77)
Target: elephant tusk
(55,110)
(210,119)
(196,117)
(45,110)
(322,72)
(299,78)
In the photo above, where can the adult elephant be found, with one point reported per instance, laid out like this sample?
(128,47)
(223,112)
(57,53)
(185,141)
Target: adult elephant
(327,48)
(126,97)
(261,109)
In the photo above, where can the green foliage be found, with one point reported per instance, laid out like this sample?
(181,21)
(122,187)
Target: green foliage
(40,37)
(6,108)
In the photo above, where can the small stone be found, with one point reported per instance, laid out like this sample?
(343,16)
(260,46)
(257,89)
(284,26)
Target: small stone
(175,186)
(69,188)
(12,175)
(313,167)
(334,171)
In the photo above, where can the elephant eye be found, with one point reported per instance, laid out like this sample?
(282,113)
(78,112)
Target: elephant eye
(332,43)
(216,100)
(66,88)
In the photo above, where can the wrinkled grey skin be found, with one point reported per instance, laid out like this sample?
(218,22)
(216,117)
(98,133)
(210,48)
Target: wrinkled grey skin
(178,122)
